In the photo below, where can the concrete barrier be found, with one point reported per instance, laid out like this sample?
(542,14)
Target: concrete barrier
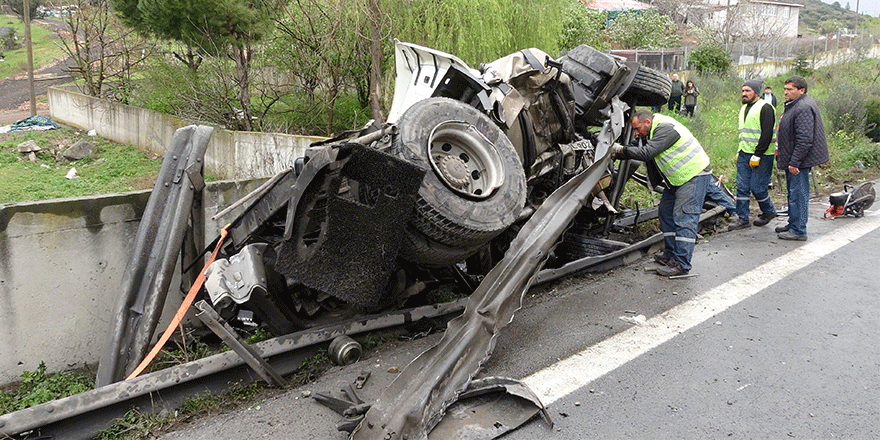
(61,264)
(230,154)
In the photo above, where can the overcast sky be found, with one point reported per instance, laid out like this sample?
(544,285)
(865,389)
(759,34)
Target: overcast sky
(870,7)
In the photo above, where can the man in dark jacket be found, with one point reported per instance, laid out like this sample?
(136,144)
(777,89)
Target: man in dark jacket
(802,145)
(675,95)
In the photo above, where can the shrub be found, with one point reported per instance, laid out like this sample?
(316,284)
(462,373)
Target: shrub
(872,118)
(845,109)
(802,66)
(710,58)
(855,151)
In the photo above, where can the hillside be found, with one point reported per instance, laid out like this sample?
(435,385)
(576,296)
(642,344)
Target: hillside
(818,17)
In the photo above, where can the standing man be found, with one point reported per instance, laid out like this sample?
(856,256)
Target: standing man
(676,162)
(769,96)
(802,146)
(675,96)
(754,163)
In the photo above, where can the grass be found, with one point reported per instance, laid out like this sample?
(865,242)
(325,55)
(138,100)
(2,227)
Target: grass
(113,168)
(45,48)
(37,387)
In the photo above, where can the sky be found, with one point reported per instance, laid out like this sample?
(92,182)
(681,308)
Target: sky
(869,7)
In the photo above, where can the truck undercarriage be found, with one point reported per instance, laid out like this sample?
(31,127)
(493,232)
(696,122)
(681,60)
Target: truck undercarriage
(478,181)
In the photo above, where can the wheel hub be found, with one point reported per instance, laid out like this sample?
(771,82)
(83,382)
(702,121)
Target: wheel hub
(454,170)
(464,160)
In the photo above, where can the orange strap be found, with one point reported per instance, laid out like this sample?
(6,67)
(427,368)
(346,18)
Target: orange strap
(181,312)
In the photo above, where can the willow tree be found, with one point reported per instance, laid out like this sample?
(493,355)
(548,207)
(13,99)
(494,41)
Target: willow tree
(479,30)
(227,28)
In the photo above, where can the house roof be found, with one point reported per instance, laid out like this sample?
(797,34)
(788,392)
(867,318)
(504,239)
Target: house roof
(616,5)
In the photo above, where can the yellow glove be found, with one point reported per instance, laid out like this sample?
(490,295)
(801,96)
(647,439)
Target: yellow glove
(754,161)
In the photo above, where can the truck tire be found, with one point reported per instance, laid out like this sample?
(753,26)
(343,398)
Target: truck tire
(475,185)
(649,88)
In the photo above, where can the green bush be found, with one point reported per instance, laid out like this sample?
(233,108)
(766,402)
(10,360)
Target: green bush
(802,66)
(872,118)
(846,107)
(710,58)
(851,150)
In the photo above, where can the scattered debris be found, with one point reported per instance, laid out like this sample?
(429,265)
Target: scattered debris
(28,146)
(80,150)
(635,320)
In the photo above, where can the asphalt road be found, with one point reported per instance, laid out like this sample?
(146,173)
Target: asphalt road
(773,339)
(15,91)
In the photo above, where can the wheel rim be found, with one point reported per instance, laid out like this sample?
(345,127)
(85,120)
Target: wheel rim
(465,160)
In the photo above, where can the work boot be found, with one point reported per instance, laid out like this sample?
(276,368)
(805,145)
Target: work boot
(788,235)
(671,270)
(659,258)
(740,224)
(763,219)
(782,228)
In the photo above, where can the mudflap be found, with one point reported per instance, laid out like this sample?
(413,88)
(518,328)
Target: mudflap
(344,226)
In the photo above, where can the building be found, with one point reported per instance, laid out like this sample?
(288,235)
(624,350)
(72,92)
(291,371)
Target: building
(753,19)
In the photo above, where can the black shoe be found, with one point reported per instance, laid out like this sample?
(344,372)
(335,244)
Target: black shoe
(673,269)
(763,219)
(740,224)
(783,228)
(662,260)
(788,235)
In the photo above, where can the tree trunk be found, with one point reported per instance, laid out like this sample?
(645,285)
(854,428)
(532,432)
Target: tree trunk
(242,57)
(376,63)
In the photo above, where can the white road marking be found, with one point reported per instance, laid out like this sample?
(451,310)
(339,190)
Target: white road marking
(575,372)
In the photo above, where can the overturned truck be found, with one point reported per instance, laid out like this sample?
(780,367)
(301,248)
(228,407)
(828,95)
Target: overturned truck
(478,179)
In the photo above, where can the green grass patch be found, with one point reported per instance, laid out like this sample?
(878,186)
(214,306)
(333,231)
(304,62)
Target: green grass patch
(45,48)
(37,387)
(113,168)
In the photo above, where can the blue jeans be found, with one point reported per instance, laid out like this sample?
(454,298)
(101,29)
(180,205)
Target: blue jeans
(798,200)
(679,211)
(753,181)
(715,194)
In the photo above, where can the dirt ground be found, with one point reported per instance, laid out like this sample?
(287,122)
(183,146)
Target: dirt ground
(15,93)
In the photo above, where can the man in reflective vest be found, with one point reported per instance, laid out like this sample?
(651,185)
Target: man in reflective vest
(676,163)
(754,163)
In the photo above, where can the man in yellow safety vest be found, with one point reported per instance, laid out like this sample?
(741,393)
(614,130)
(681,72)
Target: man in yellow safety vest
(676,163)
(754,163)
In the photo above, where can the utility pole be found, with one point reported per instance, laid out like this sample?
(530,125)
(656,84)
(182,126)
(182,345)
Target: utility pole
(30,55)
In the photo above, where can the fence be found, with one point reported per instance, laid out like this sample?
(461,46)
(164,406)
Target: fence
(818,51)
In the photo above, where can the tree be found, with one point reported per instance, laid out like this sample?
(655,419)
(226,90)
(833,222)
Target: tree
(319,47)
(583,26)
(642,30)
(228,28)
(17,6)
(710,58)
(101,48)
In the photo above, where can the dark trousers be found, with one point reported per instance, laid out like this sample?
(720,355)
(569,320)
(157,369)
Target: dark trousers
(675,103)
(798,200)
(679,211)
(753,181)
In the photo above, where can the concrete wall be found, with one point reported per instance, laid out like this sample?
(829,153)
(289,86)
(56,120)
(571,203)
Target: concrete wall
(230,154)
(770,69)
(61,264)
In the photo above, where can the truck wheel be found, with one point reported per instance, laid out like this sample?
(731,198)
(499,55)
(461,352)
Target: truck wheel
(649,88)
(475,185)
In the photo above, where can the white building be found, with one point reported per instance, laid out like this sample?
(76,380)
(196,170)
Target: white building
(754,19)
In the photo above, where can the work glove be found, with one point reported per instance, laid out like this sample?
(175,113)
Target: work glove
(616,150)
(754,161)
